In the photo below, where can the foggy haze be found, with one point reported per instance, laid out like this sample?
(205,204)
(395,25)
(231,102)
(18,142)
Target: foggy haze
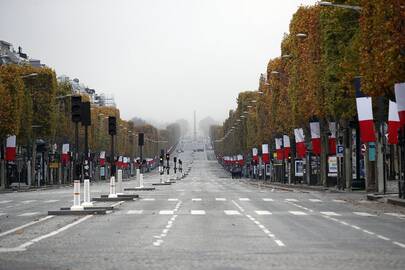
(160,59)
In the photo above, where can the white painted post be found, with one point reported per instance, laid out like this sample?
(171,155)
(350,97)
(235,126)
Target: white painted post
(112,194)
(76,197)
(141,180)
(119,183)
(138,176)
(86,197)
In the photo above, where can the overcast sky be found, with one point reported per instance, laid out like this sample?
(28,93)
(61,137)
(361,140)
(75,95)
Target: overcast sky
(161,59)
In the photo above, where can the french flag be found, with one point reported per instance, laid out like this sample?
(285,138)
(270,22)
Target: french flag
(400,98)
(265,153)
(332,138)
(11,148)
(393,123)
(287,145)
(255,154)
(279,148)
(240,160)
(300,142)
(365,115)
(65,153)
(315,138)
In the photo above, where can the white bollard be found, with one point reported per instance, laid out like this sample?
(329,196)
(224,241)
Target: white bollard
(119,183)
(86,196)
(141,180)
(76,197)
(112,194)
(138,175)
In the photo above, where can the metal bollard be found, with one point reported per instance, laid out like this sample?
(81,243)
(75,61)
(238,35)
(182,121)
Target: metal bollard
(119,183)
(86,197)
(76,197)
(112,194)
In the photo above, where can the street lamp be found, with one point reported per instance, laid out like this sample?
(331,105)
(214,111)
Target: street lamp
(29,75)
(301,35)
(330,4)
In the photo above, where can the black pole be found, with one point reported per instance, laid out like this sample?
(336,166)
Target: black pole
(86,167)
(76,157)
(112,156)
(141,158)
(358,156)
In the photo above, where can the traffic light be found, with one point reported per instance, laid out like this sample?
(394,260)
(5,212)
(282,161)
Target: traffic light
(76,108)
(112,125)
(175,159)
(85,113)
(141,141)
(167,157)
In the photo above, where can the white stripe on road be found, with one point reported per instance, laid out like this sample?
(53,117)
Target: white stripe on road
(231,212)
(315,200)
(173,200)
(244,199)
(29,214)
(220,199)
(29,201)
(134,212)
(291,200)
(25,225)
(148,199)
(399,244)
(3,214)
(279,243)
(262,212)
(330,214)
(1,202)
(268,200)
(197,212)
(196,199)
(339,201)
(364,214)
(298,213)
(395,215)
(51,201)
(166,212)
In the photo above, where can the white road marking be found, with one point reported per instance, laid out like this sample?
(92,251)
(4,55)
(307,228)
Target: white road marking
(28,214)
(298,213)
(395,215)
(330,214)
(134,212)
(244,199)
(355,227)
(158,242)
(315,200)
(51,201)
(148,199)
(166,212)
(364,214)
(29,201)
(173,200)
(3,214)
(399,244)
(279,243)
(196,199)
(1,202)
(42,237)
(339,201)
(25,225)
(220,199)
(262,212)
(291,200)
(383,238)
(197,212)
(268,200)
(231,212)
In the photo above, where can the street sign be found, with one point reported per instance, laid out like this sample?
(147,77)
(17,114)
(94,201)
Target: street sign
(339,150)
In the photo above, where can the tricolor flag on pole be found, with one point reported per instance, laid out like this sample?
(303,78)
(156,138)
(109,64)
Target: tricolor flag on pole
(11,148)
(255,155)
(279,148)
(393,123)
(265,153)
(365,115)
(400,98)
(240,160)
(65,153)
(315,138)
(102,158)
(300,142)
(332,138)
(287,146)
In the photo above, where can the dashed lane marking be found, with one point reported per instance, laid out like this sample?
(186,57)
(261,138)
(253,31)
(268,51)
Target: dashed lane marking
(29,201)
(28,214)
(339,201)
(51,201)
(291,200)
(262,212)
(364,214)
(315,200)
(220,199)
(268,200)
(173,200)
(148,199)
(1,202)
(196,199)
(3,214)
(134,212)
(166,212)
(244,199)
(197,212)
(330,213)
(231,212)
(395,215)
(298,213)
(399,244)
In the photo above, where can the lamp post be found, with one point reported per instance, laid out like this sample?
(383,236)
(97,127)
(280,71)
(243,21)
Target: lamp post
(330,4)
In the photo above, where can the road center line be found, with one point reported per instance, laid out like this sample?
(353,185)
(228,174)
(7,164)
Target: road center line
(238,206)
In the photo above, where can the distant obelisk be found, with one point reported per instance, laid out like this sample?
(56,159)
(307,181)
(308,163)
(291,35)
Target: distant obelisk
(195,127)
